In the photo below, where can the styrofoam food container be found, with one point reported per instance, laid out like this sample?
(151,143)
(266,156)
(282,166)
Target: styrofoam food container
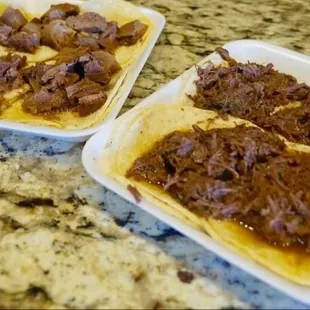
(158,20)
(244,50)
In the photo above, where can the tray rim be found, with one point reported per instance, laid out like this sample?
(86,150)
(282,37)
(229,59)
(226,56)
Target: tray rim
(82,135)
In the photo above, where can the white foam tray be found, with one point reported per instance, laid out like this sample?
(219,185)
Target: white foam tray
(245,50)
(82,135)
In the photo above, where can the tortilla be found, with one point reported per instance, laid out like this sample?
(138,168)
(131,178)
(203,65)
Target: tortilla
(119,11)
(135,134)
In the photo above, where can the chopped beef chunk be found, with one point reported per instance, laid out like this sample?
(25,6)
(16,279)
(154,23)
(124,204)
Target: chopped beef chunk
(43,101)
(53,71)
(108,39)
(13,18)
(130,33)
(88,22)
(5,32)
(35,73)
(88,96)
(51,77)
(70,55)
(242,173)
(24,41)
(57,34)
(108,61)
(88,42)
(60,11)
(73,78)
(28,39)
(95,71)
(32,28)
(59,75)
(10,65)
(100,67)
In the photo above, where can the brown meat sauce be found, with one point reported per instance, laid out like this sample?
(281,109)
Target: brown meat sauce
(241,174)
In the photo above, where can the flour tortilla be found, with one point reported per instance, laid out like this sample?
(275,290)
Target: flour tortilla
(116,10)
(136,133)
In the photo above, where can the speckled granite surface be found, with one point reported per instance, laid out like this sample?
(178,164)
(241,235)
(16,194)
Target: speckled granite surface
(67,242)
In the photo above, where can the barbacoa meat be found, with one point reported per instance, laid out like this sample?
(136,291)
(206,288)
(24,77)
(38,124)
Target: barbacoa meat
(57,35)
(281,198)
(87,95)
(14,18)
(252,92)
(293,124)
(242,173)
(60,11)
(88,22)
(130,33)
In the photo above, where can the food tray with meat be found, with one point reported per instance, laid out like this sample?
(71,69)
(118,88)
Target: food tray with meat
(67,67)
(222,155)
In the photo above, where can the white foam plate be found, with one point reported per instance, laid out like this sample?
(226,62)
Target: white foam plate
(245,50)
(133,72)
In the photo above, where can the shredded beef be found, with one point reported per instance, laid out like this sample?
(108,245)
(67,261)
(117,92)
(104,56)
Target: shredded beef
(240,174)
(28,39)
(281,197)
(293,123)
(88,22)
(14,18)
(135,193)
(60,11)
(252,92)
(130,33)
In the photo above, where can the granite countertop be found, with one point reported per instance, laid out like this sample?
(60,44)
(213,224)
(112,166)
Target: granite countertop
(67,242)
